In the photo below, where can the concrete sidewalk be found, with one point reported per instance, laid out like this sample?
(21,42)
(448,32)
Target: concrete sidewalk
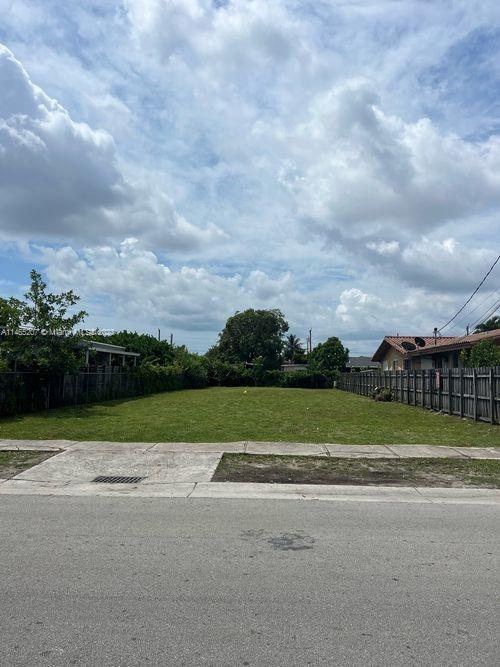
(184,470)
(250,447)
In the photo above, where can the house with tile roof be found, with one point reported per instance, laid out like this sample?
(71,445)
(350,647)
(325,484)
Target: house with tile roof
(417,352)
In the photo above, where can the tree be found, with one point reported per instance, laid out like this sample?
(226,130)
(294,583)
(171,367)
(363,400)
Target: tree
(293,349)
(39,332)
(489,325)
(329,356)
(151,349)
(484,354)
(252,334)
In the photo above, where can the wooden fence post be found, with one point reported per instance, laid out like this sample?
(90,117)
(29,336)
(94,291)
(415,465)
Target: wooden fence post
(492,395)
(450,393)
(474,389)
(462,391)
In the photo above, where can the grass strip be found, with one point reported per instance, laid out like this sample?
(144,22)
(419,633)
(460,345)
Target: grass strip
(381,471)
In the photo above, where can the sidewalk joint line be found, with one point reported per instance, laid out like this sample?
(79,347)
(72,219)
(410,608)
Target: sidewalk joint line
(192,490)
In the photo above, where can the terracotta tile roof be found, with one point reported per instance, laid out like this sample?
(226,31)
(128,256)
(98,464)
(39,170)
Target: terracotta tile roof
(464,341)
(431,344)
(396,341)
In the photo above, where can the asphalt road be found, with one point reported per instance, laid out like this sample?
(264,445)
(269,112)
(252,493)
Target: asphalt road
(136,581)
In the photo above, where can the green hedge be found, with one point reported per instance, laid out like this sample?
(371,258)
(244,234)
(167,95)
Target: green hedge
(197,373)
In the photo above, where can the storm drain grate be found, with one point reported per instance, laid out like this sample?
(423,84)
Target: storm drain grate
(117,479)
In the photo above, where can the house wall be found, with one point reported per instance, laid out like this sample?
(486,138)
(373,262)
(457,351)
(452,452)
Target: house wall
(393,360)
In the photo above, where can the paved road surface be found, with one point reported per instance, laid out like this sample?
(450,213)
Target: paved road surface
(137,581)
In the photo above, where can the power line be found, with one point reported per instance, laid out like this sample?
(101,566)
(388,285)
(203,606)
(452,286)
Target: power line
(471,296)
(483,301)
(486,316)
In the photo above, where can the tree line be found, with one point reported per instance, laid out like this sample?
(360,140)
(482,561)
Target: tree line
(40,333)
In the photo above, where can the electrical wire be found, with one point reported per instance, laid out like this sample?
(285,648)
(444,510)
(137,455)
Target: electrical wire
(486,316)
(467,315)
(471,296)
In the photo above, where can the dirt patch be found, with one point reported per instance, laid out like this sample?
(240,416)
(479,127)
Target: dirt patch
(373,472)
(14,462)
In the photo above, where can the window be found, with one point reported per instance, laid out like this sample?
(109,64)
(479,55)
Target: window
(394,364)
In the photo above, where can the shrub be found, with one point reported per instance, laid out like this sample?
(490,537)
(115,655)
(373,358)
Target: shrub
(484,354)
(308,380)
(221,373)
(382,394)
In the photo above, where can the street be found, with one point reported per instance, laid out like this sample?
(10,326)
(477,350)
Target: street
(133,581)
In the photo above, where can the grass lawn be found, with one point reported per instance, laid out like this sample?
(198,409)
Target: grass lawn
(391,472)
(12,463)
(224,414)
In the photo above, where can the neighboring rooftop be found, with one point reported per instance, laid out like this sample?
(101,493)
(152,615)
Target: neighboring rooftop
(361,362)
(415,345)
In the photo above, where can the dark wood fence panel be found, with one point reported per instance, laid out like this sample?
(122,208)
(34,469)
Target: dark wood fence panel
(27,392)
(466,392)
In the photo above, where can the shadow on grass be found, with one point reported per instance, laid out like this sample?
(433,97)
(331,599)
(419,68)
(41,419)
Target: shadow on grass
(82,410)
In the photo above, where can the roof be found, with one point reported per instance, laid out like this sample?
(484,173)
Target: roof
(441,344)
(396,343)
(361,361)
(459,342)
(107,347)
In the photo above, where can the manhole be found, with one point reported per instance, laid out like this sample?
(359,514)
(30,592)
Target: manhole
(117,479)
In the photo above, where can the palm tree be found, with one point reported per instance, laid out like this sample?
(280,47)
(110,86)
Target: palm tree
(489,325)
(293,348)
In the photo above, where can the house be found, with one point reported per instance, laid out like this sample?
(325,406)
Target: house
(416,352)
(289,367)
(361,363)
(106,355)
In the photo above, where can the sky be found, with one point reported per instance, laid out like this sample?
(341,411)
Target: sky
(174,161)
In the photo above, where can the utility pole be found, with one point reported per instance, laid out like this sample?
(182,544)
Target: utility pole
(159,335)
(171,339)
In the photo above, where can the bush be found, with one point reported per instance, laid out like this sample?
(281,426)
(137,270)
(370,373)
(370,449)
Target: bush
(220,373)
(308,380)
(482,355)
(382,394)
(153,378)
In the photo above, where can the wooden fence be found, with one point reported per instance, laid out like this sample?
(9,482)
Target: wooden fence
(466,392)
(26,392)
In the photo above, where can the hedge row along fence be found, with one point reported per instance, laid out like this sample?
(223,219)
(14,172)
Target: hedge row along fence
(466,392)
(27,392)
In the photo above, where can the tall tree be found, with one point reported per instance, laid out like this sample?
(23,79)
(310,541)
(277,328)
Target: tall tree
(489,325)
(294,350)
(253,334)
(329,356)
(39,331)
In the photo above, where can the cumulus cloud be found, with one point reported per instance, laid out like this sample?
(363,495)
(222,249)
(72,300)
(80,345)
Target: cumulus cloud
(61,179)
(359,173)
(139,287)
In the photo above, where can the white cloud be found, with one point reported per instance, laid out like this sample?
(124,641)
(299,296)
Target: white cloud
(62,179)
(306,149)
(359,173)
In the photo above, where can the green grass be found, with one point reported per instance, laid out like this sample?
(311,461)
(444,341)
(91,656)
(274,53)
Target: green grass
(229,414)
